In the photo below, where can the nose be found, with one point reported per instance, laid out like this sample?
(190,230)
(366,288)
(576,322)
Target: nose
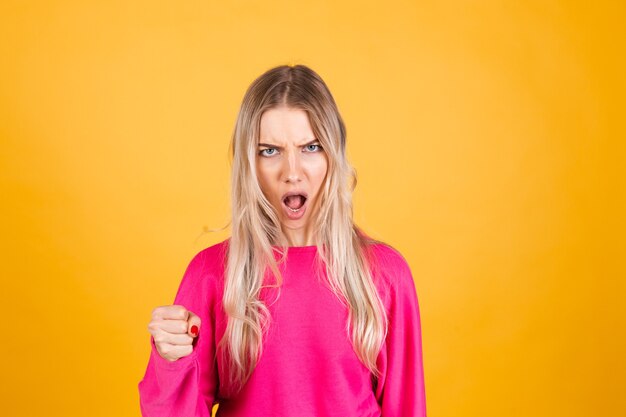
(293,168)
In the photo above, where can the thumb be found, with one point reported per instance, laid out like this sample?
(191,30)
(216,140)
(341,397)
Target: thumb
(193,324)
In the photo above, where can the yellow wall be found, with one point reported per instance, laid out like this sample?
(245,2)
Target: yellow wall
(486,135)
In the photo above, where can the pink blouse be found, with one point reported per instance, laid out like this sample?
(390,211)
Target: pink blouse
(308,366)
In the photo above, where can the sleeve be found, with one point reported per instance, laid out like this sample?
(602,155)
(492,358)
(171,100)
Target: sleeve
(400,389)
(187,386)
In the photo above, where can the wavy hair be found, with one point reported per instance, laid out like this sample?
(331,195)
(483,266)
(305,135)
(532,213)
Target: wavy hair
(343,248)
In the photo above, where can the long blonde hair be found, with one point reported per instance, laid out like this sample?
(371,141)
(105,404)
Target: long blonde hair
(342,247)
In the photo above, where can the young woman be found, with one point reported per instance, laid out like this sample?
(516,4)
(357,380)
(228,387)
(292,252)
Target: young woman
(298,313)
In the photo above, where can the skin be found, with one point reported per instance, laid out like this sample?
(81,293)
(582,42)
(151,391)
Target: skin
(174,329)
(290,158)
(289,161)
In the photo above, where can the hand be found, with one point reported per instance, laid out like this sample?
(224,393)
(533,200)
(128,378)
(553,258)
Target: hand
(174,329)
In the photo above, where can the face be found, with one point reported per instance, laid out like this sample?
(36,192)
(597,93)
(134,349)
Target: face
(291,167)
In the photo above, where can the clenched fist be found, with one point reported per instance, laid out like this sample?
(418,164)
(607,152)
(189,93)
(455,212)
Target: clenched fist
(174,329)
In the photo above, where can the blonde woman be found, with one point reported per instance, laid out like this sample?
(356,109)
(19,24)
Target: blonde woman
(299,313)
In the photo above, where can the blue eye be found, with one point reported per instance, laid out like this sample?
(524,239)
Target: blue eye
(316,147)
(268,149)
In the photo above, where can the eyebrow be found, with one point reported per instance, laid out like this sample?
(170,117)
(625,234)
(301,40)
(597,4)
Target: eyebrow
(280,147)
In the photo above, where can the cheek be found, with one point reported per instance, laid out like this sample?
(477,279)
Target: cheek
(264,171)
(319,171)
(267,180)
(262,177)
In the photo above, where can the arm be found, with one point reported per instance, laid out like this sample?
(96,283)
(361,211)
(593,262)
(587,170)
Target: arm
(187,386)
(400,390)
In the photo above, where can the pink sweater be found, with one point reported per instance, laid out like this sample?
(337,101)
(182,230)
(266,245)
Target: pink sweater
(308,367)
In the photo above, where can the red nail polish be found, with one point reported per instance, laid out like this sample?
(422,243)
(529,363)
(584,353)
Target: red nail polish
(194,330)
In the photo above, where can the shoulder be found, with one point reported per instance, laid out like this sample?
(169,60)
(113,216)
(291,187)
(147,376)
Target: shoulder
(386,257)
(203,276)
(208,262)
(211,259)
(390,269)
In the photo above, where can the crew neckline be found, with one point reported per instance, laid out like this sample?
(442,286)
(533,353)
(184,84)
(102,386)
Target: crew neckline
(298,249)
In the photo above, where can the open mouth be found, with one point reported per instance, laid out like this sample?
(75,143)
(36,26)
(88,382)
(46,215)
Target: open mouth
(294,202)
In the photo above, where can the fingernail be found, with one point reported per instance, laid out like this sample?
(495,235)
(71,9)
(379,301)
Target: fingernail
(194,330)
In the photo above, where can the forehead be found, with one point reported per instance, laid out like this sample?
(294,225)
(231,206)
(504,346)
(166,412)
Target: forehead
(284,124)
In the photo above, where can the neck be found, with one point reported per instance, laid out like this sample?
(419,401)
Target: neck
(299,237)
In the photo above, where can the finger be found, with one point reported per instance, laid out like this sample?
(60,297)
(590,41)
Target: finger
(172,339)
(173,352)
(170,326)
(194,324)
(173,312)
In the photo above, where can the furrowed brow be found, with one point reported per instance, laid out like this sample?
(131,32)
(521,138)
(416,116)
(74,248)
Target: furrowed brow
(310,142)
(269,145)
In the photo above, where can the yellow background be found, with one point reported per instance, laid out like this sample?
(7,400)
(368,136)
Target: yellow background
(488,139)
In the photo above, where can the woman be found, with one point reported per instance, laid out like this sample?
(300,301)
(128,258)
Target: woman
(298,313)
